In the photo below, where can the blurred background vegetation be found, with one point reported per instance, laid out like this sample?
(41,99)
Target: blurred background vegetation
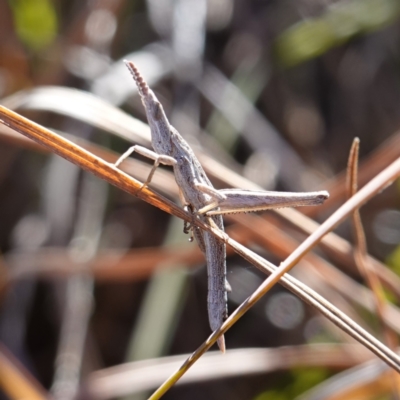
(276,91)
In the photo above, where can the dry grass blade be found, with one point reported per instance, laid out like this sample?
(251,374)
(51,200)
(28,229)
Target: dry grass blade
(139,376)
(116,177)
(87,161)
(376,161)
(16,382)
(339,249)
(360,255)
(320,270)
(82,106)
(108,265)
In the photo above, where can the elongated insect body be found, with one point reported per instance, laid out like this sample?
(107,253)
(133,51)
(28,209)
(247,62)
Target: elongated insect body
(167,141)
(200,197)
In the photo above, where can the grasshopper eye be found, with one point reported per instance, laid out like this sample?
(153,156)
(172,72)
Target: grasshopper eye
(158,112)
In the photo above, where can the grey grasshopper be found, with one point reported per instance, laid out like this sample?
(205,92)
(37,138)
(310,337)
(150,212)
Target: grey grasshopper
(198,195)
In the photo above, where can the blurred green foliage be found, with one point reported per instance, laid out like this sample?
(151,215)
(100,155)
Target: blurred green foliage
(302,379)
(394,260)
(310,38)
(35,22)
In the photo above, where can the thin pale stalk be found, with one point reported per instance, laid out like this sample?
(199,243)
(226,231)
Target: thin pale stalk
(360,256)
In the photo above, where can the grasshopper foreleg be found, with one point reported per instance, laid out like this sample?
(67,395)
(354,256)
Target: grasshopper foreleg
(158,159)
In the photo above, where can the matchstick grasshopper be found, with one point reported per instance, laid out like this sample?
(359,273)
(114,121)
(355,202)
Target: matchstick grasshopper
(198,195)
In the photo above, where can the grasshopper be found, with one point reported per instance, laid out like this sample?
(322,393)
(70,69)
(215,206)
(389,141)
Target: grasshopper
(198,196)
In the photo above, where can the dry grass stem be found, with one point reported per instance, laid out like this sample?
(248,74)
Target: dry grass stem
(16,381)
(87,161)
(365,268)
(370,166)
(139,376)
(323,272)
(360,253)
